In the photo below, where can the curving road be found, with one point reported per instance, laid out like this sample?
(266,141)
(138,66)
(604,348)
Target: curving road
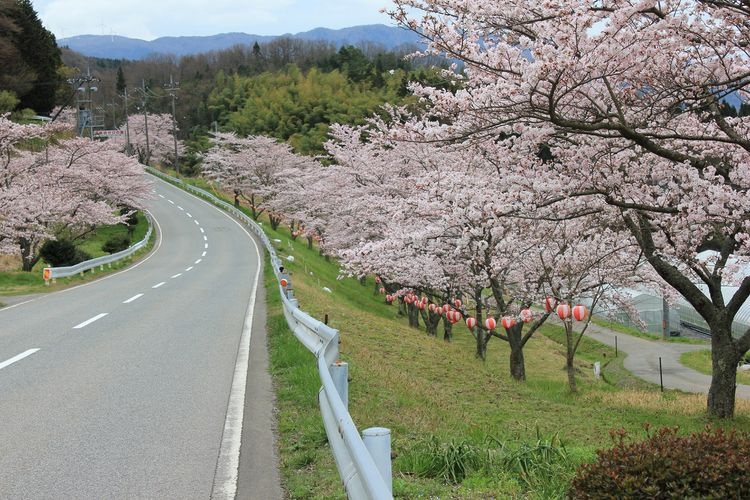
(121,388)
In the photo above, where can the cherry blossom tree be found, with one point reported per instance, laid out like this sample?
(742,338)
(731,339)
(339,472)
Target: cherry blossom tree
(65,187)
(621,100)
(150,138)
(252,168)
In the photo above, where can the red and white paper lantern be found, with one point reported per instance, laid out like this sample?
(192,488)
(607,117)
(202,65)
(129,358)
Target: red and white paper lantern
(563,311)
(457,303)
(508,322)
(526,315)
(490,323)
(579,312)
(471,322)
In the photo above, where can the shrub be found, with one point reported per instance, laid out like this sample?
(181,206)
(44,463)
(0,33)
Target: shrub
(709,464)
(59,253)
(451,461)
(116,243)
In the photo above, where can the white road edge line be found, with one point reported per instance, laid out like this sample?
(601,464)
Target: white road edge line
(89,321)
(227,465)
(134,297)
(18,357)
(158,284)
(177,275)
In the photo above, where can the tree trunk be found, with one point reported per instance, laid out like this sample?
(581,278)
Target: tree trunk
(447,330)
(724,359)
(236,199)
(413,314)
(570,356)
(28,259)
(274,221)
(309,242)
(483,338)
(517,364)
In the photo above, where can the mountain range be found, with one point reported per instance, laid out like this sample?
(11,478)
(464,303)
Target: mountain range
(120,47)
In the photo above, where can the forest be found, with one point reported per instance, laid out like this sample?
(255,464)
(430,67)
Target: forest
(288,89)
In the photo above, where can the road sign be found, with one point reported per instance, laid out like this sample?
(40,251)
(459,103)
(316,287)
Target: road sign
(108,133)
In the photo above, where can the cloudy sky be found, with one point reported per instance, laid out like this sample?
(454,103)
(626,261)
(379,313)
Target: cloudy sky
(149,19)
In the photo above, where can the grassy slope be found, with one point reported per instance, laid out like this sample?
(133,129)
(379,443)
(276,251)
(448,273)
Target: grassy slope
(421,387)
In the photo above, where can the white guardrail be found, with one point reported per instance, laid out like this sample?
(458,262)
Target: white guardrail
(51,273)
(364,462)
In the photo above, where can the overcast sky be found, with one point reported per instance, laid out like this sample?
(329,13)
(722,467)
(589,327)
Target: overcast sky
(149,19)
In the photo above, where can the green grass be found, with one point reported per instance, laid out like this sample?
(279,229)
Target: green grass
(701,361)
(93,242)
(23,283)
(635,332)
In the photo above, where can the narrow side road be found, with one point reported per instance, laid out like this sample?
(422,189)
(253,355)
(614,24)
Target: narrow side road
(643,361)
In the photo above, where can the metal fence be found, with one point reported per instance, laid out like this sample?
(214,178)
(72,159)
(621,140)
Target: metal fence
(364,462)
(51,273)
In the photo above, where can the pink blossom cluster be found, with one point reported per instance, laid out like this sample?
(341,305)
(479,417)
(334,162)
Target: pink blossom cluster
(52,186)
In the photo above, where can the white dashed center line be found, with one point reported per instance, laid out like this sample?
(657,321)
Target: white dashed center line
(188,214)
(198,261)
(18,357)
(189,268)
(158,284)
(180,208)
(89,321)
(203,254)
(196,222)
(134,297)
(161,196)
(177,275)
(202,231)
(170,201)
(205,238)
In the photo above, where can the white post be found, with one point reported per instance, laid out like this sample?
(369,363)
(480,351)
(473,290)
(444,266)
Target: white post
(340,376)
(597,370)
(377,440)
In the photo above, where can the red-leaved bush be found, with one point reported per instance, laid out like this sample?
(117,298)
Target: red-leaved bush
(711,464)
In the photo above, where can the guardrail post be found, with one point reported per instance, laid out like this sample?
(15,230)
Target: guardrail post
(377,440)
(294,303)
(340,376)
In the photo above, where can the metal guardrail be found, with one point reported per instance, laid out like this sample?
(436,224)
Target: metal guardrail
(364,464)
(51,273)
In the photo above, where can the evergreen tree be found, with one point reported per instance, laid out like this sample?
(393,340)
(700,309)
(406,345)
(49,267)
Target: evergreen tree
(120,84)
(38,49)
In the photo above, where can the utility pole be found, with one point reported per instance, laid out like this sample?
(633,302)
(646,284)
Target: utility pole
(127,126)
(173,88)
(145,120)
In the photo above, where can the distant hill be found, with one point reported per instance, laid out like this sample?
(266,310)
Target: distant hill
(120,47)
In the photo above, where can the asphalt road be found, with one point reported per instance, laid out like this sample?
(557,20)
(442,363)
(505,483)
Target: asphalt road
(643,361)
(120,388)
